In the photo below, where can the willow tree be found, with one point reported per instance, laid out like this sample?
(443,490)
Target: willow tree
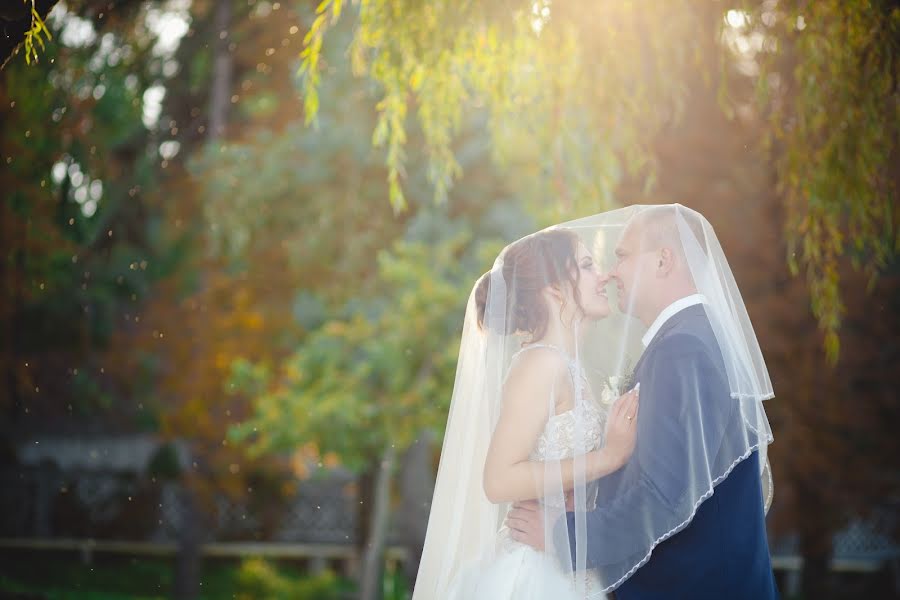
(22,25)
(578,90)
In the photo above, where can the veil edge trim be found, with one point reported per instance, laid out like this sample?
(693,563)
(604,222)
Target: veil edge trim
(682,525)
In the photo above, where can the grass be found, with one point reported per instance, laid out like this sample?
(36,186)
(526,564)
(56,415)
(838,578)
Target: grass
(152,578)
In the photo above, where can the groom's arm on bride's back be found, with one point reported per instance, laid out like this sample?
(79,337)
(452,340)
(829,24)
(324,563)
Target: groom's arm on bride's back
(680,381)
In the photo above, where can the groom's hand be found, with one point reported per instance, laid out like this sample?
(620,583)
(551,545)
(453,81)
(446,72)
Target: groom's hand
(526,524)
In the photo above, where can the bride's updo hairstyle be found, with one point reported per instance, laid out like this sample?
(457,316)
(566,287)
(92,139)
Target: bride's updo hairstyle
(528,266)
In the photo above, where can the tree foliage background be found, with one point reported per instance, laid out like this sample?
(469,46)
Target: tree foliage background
(254,225)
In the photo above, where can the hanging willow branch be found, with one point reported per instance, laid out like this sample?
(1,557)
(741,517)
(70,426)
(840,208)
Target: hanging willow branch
(22,24)
(34,36)
(576,91)
(550,82)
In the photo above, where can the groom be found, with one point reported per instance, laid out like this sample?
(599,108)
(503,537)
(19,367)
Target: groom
(720,549)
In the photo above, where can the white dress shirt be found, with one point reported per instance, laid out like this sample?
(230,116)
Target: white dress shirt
(669,312)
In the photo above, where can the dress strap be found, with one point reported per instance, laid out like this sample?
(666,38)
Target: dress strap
(578,377)
(565,354)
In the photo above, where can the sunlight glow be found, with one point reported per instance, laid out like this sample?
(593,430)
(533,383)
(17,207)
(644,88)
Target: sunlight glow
(540,14)
(153,98)
(737,19)
(89,208)
(169,24)
(58,172)
(169,149)
(76,32)
(96,189)
(746,41)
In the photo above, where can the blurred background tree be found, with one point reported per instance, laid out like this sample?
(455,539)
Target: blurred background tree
(377,348)
(77,240)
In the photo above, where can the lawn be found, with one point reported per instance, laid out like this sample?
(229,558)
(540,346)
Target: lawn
(64,577)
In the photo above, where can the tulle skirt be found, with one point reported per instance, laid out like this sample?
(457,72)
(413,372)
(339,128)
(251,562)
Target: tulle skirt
(517,572)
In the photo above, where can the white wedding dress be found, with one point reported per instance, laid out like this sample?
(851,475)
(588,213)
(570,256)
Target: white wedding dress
(519,571)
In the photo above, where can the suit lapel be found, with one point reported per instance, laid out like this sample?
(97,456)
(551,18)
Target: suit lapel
(663,331)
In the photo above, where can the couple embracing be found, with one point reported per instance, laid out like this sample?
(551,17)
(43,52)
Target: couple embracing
(607,436)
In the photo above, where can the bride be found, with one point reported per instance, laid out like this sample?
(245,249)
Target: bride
(525,424)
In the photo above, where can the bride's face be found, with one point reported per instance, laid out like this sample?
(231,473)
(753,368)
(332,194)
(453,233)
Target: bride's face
(591,285)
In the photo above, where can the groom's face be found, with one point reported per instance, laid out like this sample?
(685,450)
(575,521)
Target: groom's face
(632,272)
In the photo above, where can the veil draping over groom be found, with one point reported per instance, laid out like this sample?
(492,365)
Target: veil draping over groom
(645,298)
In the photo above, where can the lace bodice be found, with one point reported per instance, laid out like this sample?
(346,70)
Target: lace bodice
(557,440)
(587,418)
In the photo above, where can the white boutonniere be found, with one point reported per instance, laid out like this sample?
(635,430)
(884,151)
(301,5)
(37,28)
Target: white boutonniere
(610,391)
(615,386)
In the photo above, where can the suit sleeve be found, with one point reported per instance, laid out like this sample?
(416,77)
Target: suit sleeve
(684,408)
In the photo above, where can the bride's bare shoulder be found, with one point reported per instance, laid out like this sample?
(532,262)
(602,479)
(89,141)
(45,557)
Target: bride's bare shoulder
(535,372)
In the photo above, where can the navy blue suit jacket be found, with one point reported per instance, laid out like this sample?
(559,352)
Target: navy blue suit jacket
(723,551)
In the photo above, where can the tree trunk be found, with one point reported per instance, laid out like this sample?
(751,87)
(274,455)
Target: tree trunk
(188,565)
(15,280)
(416,490)
(14,236)
(373,562)
(220,94)
(815,547)
(815,524)
(187,562)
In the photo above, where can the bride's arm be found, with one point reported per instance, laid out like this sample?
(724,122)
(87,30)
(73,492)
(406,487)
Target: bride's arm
(509,475)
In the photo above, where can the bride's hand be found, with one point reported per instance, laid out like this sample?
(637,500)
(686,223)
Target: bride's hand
(621,429)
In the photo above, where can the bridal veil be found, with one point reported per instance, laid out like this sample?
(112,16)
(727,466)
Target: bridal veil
(464,528)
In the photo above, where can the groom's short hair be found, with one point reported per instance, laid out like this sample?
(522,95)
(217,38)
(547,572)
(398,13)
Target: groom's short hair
(658,228)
